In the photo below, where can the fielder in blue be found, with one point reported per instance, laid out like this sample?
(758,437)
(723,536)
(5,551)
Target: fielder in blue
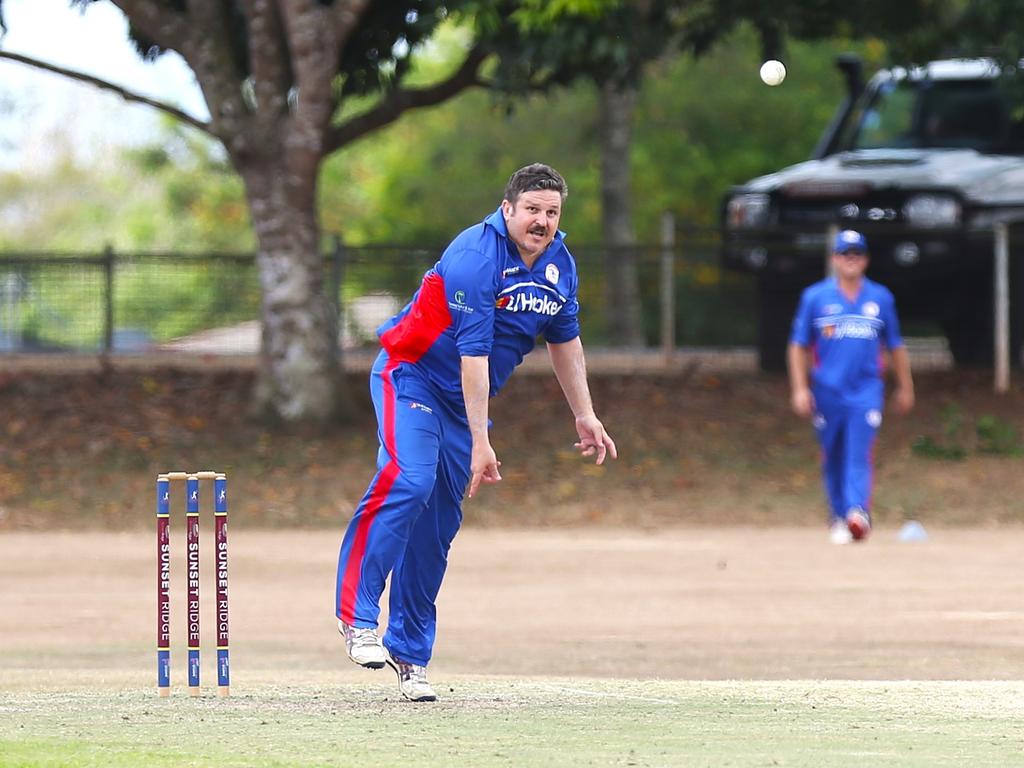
(842,328)
(497,287)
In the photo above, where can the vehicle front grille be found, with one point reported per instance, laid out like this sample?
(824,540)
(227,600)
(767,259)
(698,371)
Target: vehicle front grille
(840,211)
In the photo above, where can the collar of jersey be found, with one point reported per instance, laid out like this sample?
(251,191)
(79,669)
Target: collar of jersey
(860,294)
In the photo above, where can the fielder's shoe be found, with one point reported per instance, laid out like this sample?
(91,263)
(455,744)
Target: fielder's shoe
(412,680)
(839,533)
(859,523)
(363,645)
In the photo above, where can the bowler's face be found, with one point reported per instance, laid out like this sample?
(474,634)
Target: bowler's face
(532,221)
(850,265)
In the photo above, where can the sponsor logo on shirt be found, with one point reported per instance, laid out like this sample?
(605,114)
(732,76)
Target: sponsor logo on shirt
(511,271)
(832,309)
(421,407)
(459,305)
(525,302)
(849,327)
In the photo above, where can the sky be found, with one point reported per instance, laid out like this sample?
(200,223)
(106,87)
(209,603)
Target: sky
(36,106)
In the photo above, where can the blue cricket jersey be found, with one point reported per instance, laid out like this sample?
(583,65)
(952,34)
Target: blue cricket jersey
(847,337)
(479,299)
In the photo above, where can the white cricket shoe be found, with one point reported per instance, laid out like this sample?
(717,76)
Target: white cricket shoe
(839,533)
(363,645)
(412,680)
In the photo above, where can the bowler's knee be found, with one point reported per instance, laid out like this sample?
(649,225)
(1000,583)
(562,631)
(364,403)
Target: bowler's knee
(417,483)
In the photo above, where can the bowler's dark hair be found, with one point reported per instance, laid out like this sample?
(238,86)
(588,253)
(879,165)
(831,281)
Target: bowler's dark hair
(533,177)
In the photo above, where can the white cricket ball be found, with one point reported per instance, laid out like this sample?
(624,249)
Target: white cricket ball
(773,72)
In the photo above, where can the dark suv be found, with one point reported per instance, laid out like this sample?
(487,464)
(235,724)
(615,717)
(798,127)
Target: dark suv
(924,162)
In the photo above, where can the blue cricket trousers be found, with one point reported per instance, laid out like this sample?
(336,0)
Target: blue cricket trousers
(412,510)
(846,425)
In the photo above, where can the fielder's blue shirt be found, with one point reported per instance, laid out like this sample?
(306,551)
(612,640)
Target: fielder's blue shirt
(847,336)
(480,299)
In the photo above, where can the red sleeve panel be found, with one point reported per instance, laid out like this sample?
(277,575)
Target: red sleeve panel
(424,322)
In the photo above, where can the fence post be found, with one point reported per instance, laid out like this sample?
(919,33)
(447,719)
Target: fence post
(830,239)
(108,299)
(1001,289)
(668,288)
(337,279)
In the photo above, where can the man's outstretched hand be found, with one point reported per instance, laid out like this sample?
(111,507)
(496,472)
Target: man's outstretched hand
(484,467)
(594,440)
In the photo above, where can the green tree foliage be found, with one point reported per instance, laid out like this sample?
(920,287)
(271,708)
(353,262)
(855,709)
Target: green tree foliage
(705,22)
(557,43)
(202,199)
(177,194)
(704,124)
(966,28)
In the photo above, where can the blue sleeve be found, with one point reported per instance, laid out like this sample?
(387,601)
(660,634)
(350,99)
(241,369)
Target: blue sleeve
(565,326)
(470,288)
(803,321)
(893,338)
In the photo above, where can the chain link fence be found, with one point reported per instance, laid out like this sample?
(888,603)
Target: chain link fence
(126,303)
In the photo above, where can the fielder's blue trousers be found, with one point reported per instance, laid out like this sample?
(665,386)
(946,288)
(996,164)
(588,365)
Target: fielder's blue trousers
(405,524)
(846,426)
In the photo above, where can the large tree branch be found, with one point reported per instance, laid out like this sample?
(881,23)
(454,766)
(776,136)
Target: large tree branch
(311,42)
(268,55)
(401,100)
(210,49)
(104,85)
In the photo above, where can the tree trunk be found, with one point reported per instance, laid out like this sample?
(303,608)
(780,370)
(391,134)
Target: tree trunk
(624,323)
(300,377)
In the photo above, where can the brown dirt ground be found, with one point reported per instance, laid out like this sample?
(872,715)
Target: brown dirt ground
(80,450)
(700,554)
(691,603)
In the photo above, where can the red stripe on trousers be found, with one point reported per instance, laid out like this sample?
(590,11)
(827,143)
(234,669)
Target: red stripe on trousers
(379,492)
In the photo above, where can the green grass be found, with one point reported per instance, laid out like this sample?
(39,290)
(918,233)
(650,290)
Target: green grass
(528,723)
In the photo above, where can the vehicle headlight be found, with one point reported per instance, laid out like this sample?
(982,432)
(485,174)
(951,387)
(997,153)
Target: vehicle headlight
(747,211)
(932,211)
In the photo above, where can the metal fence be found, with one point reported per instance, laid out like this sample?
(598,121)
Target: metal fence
(124,302)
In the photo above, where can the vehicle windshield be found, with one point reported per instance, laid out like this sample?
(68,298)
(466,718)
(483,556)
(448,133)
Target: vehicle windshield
(952,114)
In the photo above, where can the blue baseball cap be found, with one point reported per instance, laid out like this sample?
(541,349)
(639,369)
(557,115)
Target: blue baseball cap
(850,240)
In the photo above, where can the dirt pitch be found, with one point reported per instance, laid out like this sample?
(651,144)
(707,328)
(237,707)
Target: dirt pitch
(78,609)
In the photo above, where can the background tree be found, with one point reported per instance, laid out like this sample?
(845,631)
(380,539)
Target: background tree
(290,82)
(969,28)
(283,82)
(613,42)
(706,123)
(608,43)
(286,84)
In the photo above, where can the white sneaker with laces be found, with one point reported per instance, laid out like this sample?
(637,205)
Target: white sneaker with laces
(839,533)
(363,645)
(412,680)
